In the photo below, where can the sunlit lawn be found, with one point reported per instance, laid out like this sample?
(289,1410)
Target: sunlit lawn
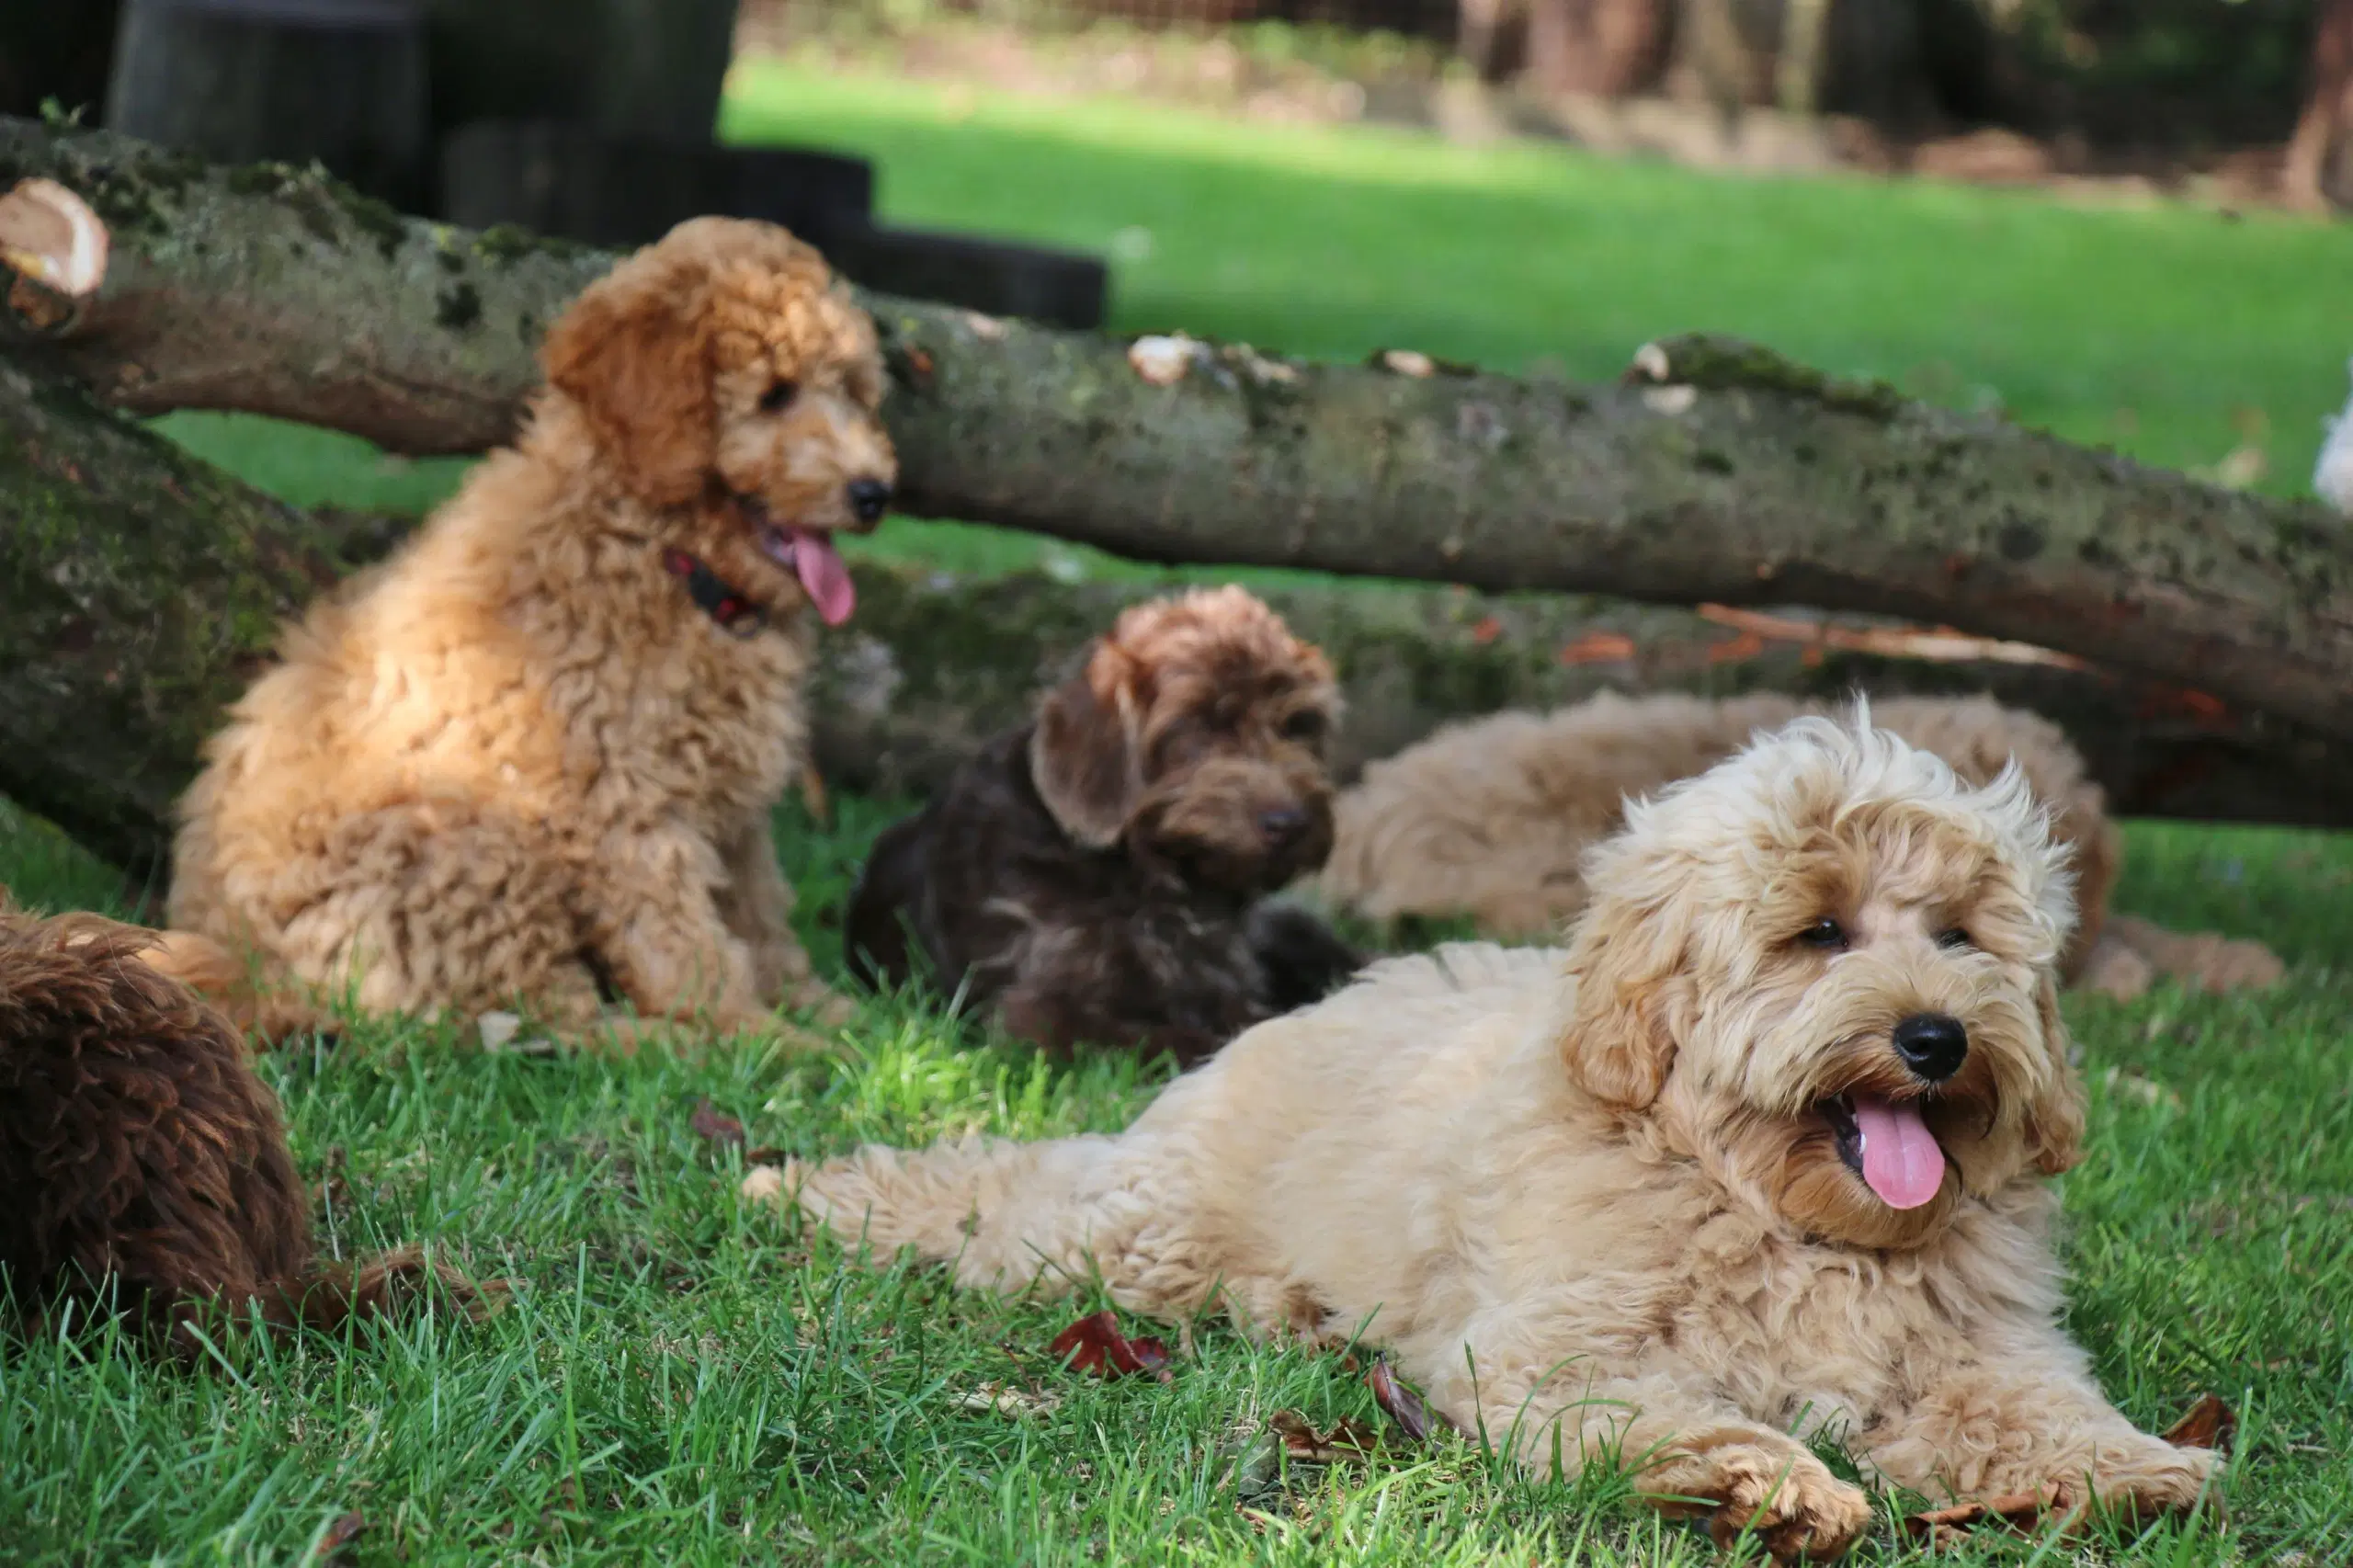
(685,1380)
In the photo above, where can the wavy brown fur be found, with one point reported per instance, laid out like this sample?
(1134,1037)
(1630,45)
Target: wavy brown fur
(141,1159)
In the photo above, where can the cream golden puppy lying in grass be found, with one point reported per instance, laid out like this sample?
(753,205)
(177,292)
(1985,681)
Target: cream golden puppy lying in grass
(1760,1153)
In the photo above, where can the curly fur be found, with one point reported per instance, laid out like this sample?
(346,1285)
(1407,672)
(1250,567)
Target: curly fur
(1490,818)
(1593,1199)
(518,764)
(1098,874)
(143,1164)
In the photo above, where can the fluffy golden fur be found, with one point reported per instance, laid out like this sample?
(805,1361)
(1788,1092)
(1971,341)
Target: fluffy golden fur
(1489,818)
(143,1164)
(1603,1201)
(1100,874)
(521,763)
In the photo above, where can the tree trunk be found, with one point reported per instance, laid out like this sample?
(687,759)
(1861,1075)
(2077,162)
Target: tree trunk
(137,593)
(140,591)
(1608,47)
(650,68)
(2320,128)
(60,53)
(293,80)
(1798,64)
(1717,61)
(1724,475)
(930,667)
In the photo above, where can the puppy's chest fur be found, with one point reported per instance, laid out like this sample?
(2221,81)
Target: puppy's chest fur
(659,700)
(1805,1334)
(1008,893)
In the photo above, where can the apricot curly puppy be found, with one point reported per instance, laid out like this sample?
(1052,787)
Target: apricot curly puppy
(1101,873)
(1758,1155)
(141,1163)
(1488,818)
(531,759)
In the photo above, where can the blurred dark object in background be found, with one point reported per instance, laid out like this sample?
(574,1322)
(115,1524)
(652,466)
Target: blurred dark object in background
(576,182)
(57,51)
(649,68)
(1058,288)
(341,82)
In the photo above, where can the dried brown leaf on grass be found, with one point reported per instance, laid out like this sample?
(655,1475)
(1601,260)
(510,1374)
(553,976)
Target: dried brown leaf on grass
(2210,1424)
(714,1126)
(340,1534)
(1948,1527)
(1303,1444)
(1406,1407)
(1095,1345)
(1290,1438)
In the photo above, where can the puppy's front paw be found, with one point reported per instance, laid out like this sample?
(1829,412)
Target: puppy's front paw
(1785,1498)
(2152,1478)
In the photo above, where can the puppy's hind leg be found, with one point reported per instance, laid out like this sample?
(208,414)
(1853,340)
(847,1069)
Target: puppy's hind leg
(1005,1215)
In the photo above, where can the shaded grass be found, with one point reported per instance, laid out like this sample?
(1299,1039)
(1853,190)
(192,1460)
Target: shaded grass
(685,1379)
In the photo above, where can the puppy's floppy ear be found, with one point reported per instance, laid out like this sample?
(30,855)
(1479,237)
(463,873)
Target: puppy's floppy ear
(1620,1042)
(1084,750)
(2054,1123)
(633,352)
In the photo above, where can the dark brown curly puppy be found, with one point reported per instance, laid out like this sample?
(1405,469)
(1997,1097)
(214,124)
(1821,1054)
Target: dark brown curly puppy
(1097,875)
(141,1162)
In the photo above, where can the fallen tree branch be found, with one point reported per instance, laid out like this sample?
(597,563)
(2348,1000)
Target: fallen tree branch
(1721,475)
(139,591)
(931,666)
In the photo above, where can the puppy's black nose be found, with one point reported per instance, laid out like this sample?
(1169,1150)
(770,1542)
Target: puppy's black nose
(868,498)
(1932,1044)
(1282,826)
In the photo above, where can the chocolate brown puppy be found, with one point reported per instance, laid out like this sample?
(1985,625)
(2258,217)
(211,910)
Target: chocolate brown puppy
(143,1164)
(1101,873)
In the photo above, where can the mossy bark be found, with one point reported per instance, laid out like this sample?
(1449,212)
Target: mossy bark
(931,666)
(140,590)
(1724,474)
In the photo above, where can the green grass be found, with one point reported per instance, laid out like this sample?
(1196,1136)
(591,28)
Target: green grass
(2168,330)
(2148,326)
(685,1379)
(682,1380)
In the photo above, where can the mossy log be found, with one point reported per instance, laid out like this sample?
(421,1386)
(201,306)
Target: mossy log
(932,664)
(140,590)
(1716,472)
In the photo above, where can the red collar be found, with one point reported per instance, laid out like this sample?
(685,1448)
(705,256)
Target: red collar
(737,614)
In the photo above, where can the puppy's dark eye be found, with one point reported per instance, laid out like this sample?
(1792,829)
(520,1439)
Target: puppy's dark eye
(778,397)
(1825,934)
(1306,725)
(1954,938)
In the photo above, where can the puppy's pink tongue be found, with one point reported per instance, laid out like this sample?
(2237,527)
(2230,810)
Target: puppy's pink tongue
(824,576)
(1901,1159)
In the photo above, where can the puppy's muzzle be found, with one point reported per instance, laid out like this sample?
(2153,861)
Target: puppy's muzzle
(1933,1045)
(1283,827)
